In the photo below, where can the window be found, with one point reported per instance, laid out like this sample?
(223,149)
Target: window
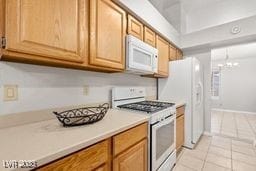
(215,87)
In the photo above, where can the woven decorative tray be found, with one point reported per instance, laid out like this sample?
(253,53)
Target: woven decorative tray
(82,116)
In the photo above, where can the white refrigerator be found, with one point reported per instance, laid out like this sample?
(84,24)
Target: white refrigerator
(185,84)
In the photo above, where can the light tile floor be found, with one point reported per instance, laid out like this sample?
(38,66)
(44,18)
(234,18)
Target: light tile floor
(217,153)
(238,125)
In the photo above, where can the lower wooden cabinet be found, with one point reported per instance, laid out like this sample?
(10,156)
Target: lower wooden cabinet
(179,132)
(180,135)
(130,149)
(133,159)
(127,151)
(95,157)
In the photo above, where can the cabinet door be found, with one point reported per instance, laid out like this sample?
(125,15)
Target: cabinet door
(179,132)
(1,23)
(107,34)
(47,28)
(133,159)
(163,56)
(149,37)
(179,54)
(172,54)
(135,27)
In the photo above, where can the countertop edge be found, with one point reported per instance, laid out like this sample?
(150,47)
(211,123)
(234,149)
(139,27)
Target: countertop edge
(177,105)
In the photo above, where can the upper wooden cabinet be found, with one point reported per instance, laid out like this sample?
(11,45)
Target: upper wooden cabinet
(135,27)
(179,54)
(173,53)
(163,56)
(50,28)
(58,33)
(107,34)
(149,36)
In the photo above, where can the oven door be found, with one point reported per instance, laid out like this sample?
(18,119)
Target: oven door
(163,141)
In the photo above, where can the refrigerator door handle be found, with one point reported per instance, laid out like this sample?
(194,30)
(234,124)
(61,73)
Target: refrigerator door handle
(199,93)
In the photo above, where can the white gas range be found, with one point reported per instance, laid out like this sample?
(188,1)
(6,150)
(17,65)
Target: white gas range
(162,126)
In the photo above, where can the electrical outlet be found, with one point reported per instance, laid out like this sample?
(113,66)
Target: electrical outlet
(10,92)
(86,90)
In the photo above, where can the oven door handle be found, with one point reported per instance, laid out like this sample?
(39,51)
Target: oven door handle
(166,121)
(154,123)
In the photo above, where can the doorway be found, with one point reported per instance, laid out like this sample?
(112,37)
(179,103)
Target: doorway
(233,91)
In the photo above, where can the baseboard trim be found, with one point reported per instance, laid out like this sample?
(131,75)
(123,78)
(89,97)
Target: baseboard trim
(207,133)
(234,111)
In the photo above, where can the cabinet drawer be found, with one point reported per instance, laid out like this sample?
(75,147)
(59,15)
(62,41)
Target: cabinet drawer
(128,138)
(88,159)
(180,111)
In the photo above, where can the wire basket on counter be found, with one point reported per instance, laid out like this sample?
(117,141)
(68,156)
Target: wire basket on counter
(82,116)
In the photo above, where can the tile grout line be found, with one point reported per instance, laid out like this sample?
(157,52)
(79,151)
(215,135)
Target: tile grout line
(232,154)
(251,127)
(236,127)
(206,154)
(221,125)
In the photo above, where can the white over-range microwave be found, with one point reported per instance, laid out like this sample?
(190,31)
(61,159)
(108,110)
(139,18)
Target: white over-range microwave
(141,58)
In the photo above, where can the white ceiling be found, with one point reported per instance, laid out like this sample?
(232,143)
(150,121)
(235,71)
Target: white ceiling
(184,15)
(189,5)
(172,9)
(235,52)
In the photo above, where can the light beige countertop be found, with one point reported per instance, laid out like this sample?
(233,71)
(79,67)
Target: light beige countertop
(179,104)
(48,140)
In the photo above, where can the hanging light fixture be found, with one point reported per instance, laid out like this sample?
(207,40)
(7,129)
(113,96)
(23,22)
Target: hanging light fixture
(227,63)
